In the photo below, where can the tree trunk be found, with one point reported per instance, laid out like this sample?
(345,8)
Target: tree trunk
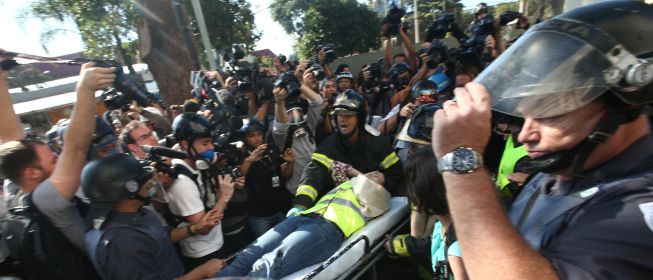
(163,47)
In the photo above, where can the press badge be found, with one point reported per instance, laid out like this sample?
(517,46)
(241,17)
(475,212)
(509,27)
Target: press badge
(275,182)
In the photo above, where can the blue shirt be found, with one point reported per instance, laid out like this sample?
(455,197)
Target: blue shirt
(139,247)
(610,234)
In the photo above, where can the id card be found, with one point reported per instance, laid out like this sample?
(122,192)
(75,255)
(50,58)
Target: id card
(275,182)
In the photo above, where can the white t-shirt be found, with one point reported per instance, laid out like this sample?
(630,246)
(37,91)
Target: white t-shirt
(184,199)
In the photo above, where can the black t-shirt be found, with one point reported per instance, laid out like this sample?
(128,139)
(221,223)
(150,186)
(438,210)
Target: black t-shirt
(265,186)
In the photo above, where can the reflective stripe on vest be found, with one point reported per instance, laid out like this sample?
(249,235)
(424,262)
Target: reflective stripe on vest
(307,191)
(342,208)
(390,160)
(511,155)
(323,159)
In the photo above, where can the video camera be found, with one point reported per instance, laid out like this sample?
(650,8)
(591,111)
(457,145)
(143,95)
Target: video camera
(393,20)
(154,157)
(289,82)
(124,90)
(438,53)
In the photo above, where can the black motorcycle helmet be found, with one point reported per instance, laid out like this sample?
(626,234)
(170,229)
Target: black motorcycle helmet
(190,126)
(102,136)
(113,178)
(599,50)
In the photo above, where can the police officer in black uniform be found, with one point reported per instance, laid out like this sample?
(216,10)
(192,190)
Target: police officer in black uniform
(128,241)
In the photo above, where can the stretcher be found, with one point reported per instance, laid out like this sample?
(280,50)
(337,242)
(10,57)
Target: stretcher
(360,251)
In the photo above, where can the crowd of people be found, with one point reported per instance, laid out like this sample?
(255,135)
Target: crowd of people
(540,169)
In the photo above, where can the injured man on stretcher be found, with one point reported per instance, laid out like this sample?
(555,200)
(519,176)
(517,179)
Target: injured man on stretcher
(313,235)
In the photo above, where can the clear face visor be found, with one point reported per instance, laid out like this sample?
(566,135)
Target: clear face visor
(155,189)
(295,115)
(555,68)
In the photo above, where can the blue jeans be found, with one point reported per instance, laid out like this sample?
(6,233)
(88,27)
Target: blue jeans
(295,243)
(260,225)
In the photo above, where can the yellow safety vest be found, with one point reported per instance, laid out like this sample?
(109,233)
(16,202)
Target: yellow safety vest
(341,207)
(511,155)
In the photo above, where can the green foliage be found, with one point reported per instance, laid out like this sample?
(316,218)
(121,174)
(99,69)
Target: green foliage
(290,14)
(103,25)
(348,25)
(228,22)
(503,7)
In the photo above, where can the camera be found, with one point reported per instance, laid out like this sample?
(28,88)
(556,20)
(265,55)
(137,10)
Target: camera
(330,53)
(439,28)
(317,70)
(393,20)
(289,82)
(375,72)
(421,121)
(124,89)
(438,53)
(282,58)
(154,157)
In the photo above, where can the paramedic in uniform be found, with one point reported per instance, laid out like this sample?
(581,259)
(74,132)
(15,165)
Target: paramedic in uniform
(353,145)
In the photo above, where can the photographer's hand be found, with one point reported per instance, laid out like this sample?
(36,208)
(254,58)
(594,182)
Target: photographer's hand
(321,56)
(407,110)
(257,154)
(424,57)
(288,155)
(308,79)
(280,94)
(239,183)
(301,68)
(93,78)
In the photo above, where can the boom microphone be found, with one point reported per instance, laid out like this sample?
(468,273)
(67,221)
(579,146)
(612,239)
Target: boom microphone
(164,152)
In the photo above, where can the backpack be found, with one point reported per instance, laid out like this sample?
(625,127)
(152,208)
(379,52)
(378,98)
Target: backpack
(39,249)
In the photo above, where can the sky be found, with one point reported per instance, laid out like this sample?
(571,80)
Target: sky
(23,35)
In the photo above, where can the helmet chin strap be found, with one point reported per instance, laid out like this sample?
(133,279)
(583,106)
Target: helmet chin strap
(576,157)
(146,200)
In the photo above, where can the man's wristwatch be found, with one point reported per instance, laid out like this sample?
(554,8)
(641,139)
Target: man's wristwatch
(461,160)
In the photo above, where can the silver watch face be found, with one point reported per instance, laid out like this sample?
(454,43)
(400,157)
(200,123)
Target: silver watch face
(463,160)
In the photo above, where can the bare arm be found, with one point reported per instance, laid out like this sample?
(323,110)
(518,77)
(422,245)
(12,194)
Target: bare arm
(260,114)
(457,268)
(280,95)
(410,48)
(224,193)
(208,221)
(418,224)
(478,215)
(287,167)
(10,128)
(308,92)
(387,58)
(65,177)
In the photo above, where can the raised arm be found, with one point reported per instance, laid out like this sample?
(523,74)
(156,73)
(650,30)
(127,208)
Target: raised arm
(477,214)
(10,128)
(65,177)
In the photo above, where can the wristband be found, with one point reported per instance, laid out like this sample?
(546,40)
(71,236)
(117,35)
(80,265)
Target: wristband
(189,230)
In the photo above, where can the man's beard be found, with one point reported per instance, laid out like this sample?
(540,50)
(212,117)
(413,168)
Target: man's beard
(349,134)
